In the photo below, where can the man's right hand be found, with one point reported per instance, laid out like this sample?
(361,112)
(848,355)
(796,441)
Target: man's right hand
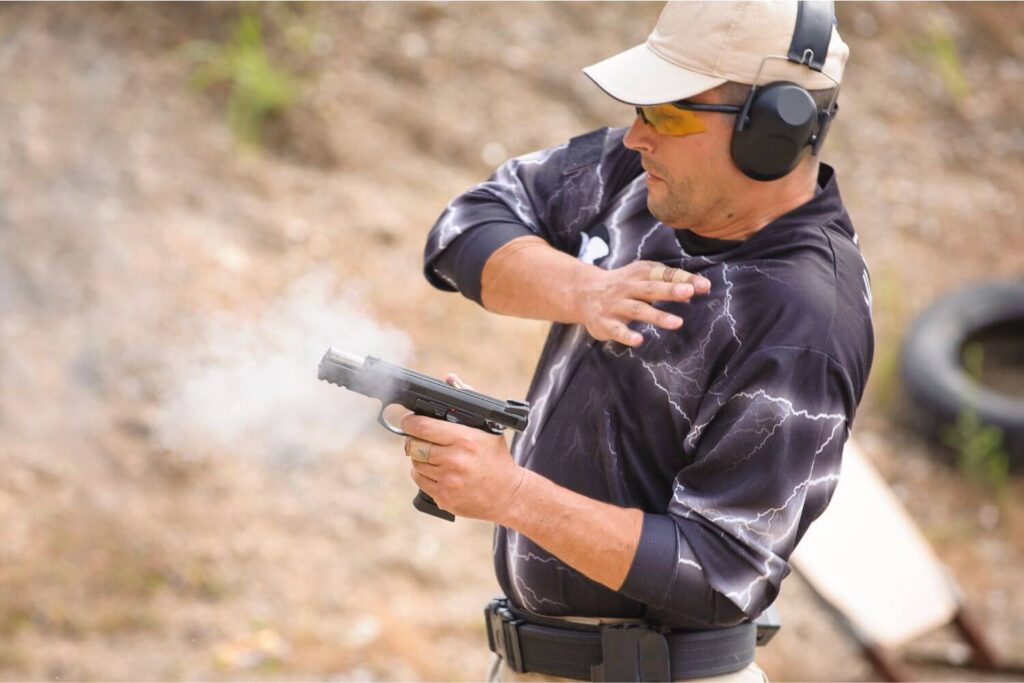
(608,300)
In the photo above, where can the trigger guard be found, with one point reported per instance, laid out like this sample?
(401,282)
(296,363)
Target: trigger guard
(387,425)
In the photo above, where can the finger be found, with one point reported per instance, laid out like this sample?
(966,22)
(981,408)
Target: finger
(662,273)
(438,455)
(418,449)
(454,380)
(430,429)
(660,291)
(427,469)
(642,312)
(618,331)
(641,268)
(423,481)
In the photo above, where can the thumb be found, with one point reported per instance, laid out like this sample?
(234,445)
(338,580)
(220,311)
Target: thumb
(454,380)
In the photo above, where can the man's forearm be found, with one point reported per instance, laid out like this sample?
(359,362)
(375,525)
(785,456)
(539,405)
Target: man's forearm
(597,539)
(529,278)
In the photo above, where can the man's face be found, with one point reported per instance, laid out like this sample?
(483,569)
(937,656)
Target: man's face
(690,178)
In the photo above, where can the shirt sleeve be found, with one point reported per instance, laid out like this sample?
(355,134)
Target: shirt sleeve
(766,450)
(552,194)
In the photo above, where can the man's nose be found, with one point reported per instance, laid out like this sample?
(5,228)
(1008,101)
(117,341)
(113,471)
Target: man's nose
(639,137)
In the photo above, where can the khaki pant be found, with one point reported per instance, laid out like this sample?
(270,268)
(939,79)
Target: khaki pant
(499,672)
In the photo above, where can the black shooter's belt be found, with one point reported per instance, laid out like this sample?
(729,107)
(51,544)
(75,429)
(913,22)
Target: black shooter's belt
(615,652)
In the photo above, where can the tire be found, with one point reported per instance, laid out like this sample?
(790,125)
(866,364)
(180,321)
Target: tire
(932,371)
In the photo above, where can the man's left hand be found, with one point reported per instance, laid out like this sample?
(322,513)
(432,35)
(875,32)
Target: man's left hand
(467,471)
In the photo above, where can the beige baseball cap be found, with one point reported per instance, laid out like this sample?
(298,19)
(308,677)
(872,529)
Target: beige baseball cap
(697,46)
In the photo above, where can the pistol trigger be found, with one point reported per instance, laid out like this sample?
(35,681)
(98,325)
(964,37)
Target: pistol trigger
(387,425)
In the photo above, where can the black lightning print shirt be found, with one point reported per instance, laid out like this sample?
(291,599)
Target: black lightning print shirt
(727,433)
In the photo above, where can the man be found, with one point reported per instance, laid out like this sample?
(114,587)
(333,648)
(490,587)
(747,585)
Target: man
(711,342)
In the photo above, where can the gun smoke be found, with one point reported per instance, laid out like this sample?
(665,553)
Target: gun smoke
(248,384)
(89,359)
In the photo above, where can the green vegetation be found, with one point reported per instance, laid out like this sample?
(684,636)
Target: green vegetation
(890,318)
(941,51)
(257,89)
(979,447)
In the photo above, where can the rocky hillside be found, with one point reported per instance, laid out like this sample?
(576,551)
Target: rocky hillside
(195,200)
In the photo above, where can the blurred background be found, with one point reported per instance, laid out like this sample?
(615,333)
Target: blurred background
(196,200)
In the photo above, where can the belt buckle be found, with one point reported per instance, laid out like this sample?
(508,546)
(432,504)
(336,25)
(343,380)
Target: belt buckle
(503,634)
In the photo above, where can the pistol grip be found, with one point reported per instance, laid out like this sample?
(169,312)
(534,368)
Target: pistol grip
(425,503)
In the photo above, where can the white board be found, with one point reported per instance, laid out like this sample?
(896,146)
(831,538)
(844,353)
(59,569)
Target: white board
(866,556)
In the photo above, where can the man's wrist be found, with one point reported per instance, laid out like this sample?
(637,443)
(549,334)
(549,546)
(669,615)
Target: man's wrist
(510,512)
(582,282)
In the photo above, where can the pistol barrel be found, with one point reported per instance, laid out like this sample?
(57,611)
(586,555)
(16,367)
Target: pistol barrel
(349,360)
(340,368)
(425,395)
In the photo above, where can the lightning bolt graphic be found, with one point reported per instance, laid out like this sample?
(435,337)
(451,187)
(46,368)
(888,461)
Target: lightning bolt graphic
(506,187)
(640,247)
(756,530)
(525,595)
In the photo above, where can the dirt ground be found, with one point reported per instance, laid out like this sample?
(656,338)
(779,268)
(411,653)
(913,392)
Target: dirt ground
(181,500)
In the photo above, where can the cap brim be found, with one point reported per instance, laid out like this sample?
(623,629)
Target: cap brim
(638,76)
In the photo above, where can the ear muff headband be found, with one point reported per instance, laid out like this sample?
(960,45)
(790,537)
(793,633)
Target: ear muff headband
(813,33)
(780,120)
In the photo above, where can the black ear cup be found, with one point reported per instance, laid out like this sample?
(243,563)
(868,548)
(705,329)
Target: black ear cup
(774,130)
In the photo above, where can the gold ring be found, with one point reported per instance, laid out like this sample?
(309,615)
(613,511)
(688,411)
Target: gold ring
(418,449)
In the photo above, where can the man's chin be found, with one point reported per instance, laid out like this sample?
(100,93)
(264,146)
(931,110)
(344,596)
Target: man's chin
(669,209)
(658,210)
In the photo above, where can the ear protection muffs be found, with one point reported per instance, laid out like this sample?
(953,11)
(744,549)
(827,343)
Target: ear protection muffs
(779,121)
